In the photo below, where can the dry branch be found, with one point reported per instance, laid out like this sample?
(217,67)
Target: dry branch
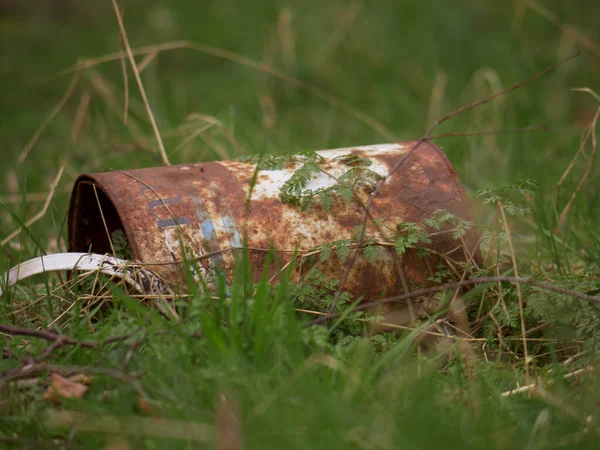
(54,337)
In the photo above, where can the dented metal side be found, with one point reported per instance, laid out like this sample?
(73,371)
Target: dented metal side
(208,207)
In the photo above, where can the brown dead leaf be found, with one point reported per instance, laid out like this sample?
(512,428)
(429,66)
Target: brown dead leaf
(61,387)
(147,407)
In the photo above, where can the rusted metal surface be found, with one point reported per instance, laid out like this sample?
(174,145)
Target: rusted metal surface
(205,207)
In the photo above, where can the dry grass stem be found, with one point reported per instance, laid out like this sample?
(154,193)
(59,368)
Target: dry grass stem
(518,285)
(469,282)
(80,114)
(344,24)
(437,96)
(402,159)
(228,427)
(28,197)
(108,236)
(161,147)
(57,108)
(245,61)
(41,213)
(146,61)
(590,131)
(140,427)
(568,30)
(495,95)
(533,386)
(125,77)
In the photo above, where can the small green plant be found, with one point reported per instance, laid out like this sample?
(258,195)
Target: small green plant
(515,198)
(294,191)
(121,245)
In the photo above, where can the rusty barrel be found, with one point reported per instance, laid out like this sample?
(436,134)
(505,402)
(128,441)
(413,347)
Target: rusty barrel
(213,209)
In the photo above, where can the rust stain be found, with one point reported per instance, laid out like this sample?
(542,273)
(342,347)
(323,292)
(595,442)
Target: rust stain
(204,206)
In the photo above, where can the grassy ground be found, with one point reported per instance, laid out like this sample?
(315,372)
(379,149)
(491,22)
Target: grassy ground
(247,373)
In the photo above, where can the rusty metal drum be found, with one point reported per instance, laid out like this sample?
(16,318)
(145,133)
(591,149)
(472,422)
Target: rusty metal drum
(213,209)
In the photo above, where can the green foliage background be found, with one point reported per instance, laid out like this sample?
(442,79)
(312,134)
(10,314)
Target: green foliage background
(404,63)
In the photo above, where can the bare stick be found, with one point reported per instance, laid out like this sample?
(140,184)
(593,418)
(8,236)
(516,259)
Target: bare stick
(41,213)
(519,295)
(161,147)
(57,108)
(489,132)
(53,337)
(470,282)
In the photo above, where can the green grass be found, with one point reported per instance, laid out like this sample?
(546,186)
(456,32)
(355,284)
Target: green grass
(288,385)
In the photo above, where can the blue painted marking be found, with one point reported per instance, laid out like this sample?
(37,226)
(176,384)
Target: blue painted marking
(163,223)
(170,222)
(232,232)
(208,230)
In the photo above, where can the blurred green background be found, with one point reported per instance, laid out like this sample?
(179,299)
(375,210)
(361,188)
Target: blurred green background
(403,63)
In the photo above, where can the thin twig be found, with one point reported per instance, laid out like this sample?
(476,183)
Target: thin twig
(489,132)
(161,147)
(53,337)
(498,94)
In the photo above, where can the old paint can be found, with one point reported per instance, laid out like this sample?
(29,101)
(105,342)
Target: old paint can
(213,209)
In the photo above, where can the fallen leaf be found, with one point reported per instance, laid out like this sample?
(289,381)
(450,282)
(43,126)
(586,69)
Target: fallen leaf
(61,387)
(147,407)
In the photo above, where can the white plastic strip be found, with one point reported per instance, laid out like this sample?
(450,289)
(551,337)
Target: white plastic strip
(137,277)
